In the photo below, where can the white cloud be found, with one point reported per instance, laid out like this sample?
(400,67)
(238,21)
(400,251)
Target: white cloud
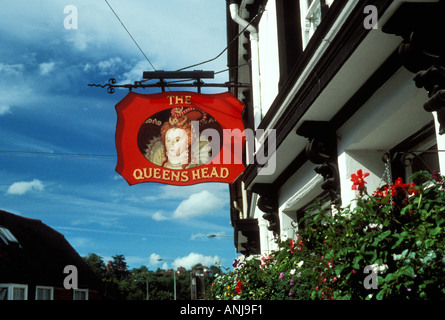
(135,73)
(79,41)
(187,262)
(110,65)
(80,242)
(194,258)
(5,110)
(158,216)
(11,69)
(46,67)
(22,187)
(99,219)
(164,266)
(197,236)
(198,204)
(154,259)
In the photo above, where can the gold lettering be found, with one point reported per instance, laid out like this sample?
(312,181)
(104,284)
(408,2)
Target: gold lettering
(224,173)
(214,173)
(175,175)
(179,100)
(145,173)
(204,172)
(137,174)
(184,176)
(157,173)
(165,174)
(196,174)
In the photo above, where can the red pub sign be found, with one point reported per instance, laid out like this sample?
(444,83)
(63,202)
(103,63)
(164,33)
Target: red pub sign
(179,138)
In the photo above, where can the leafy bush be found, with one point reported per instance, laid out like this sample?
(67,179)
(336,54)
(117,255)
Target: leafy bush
(389,245)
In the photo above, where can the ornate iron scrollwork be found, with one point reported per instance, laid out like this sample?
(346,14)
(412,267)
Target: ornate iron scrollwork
(322,150)
(112,84)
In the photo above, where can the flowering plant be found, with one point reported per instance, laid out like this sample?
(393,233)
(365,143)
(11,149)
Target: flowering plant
(358,180)
(397,232)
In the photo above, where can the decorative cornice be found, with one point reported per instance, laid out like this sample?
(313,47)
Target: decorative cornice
(422,27)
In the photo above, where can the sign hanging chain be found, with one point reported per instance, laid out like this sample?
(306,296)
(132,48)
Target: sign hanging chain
(388,177)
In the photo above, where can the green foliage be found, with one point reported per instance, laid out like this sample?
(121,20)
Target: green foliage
(121,284)
(398,230)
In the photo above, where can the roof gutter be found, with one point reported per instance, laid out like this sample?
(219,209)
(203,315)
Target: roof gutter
(256,83)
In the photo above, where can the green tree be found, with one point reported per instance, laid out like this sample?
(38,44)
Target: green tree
(96,263)
(118,268)
(121,284)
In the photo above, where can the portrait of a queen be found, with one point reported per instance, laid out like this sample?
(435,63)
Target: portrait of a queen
(166,139)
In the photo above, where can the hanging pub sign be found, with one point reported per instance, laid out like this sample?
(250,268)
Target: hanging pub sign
(179,138)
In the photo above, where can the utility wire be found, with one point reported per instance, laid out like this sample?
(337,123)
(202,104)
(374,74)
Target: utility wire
(62,155)
(197,64)
(230,43)
(131,36)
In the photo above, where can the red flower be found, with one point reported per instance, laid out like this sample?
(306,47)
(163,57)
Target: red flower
(399,186)
(381,192)
(239,287)
(398,189)
(411,189)
(300,245)
(292,246)
(358,180)
(436,176)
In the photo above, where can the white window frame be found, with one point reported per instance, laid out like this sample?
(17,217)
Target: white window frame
(309,19)
(80,290)
(7,234)
(12,286)
(51,292)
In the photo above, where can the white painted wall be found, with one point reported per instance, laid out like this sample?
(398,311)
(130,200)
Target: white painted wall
(269,59)
(391,115)
(300,189)
(440,145)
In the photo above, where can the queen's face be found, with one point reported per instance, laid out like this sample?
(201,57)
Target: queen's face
(176,142)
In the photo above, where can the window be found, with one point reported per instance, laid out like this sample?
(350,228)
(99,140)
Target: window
(20,293)
(7,236)
(44,293)
(80,294)
(3,292)
(418,152)
(12,291)
(312,12)
(309,209)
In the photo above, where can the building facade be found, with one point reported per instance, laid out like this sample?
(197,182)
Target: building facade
(37,263)
(336,86)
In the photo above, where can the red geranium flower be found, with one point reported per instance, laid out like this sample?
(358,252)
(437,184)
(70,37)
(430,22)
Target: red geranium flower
(358,180)
(239,287)
(300,245)
(399,186)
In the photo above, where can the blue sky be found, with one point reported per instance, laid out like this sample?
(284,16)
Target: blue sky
(57,149)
